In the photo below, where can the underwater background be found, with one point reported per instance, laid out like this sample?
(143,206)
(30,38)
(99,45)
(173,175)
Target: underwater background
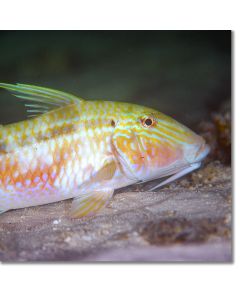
(181,73)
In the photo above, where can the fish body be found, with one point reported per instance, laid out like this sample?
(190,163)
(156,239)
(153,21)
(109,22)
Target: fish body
(72,148)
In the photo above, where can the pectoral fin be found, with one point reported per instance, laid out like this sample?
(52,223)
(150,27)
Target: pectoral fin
(105,174)
(89,204)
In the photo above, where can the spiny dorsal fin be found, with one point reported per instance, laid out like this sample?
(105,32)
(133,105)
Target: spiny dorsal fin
(39,100)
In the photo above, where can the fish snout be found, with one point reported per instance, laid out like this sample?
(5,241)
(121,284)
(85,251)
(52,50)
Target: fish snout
(202,152)
(197,152)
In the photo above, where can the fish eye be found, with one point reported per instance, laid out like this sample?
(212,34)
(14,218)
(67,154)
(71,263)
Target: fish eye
(148,122)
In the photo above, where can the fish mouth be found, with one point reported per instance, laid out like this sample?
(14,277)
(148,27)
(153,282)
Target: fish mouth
(201,153)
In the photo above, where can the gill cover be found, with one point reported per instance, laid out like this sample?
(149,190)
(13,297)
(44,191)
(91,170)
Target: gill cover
(128,152)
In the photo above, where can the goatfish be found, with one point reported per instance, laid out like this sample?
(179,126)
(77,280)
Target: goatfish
(73,148)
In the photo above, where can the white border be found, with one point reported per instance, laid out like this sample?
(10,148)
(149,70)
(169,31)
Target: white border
(118,14)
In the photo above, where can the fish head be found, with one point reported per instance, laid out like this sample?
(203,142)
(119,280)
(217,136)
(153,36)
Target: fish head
(152,145)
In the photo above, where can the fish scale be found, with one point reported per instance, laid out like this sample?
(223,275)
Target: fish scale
(74,156)
(84,150)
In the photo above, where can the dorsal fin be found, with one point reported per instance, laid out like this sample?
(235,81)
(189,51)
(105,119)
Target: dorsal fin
(39,100)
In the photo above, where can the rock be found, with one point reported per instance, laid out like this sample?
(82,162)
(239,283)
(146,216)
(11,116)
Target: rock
(217,133)
(190,222)
(212,252)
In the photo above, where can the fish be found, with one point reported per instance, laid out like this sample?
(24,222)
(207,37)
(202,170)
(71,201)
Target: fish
(71,148)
